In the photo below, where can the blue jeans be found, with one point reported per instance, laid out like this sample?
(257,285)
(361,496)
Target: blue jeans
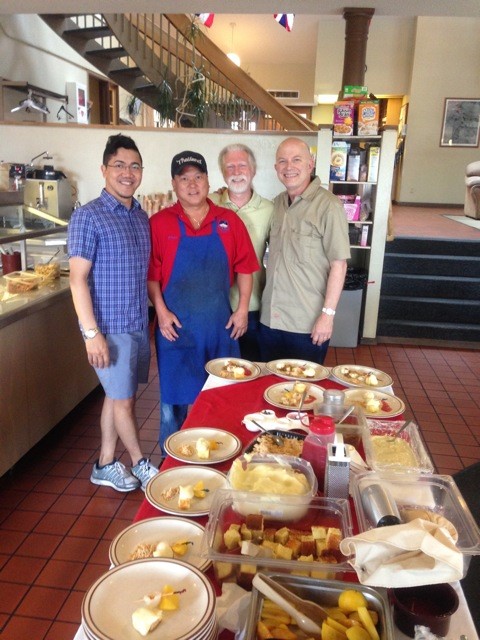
(276,344)
(172,416)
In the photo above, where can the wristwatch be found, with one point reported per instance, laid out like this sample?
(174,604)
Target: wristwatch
(90,333)
(328,311)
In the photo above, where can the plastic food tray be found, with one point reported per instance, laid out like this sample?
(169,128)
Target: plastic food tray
(436,493)
(295,506)
(232,566)
(411,435)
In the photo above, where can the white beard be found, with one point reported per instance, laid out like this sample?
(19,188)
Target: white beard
(238,186)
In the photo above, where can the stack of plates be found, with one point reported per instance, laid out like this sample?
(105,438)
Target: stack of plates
(109,603)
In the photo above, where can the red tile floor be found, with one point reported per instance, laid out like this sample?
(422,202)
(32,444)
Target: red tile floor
(56,527)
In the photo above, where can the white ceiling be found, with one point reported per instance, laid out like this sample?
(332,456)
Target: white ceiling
(307,7)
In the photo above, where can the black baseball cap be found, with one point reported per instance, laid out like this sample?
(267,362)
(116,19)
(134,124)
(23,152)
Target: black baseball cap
(188,158)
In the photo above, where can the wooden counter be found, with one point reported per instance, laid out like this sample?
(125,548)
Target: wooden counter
(44,371)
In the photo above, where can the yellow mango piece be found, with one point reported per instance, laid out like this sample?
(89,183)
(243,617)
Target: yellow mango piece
(169,600)
(180,548)
(336,624)
(199,490)
(357,633)
(273,622)
(329,633)
(367,622)
(263,632)
(354,617)
(351,599)
(282,632)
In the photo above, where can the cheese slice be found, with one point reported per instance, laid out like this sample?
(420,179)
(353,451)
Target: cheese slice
(203,448)
(145,620)
(185,496)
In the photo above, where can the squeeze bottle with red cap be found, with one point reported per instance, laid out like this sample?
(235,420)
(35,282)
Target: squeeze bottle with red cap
(322,433)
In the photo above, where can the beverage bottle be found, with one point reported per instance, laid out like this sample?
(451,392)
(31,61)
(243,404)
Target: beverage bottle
(322,432)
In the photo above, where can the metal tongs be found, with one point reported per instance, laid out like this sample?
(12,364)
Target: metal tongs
(304,612)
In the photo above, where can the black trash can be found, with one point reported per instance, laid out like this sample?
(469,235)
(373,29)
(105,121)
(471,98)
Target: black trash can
(347,317)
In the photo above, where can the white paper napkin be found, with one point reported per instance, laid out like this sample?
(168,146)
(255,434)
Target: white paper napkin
(404,555)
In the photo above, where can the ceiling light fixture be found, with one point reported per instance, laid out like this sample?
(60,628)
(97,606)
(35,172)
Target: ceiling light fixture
(233,56)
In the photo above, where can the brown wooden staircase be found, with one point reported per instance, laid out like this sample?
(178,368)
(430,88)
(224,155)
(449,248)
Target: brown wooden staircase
(175,69)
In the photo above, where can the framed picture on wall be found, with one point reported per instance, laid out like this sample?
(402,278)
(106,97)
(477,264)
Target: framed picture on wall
(461,122)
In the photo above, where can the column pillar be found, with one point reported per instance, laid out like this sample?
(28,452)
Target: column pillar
(356,37)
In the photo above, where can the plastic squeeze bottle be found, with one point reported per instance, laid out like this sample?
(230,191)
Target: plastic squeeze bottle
(322,432)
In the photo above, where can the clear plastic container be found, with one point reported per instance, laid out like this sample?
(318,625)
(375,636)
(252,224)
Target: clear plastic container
(22,281)
(433,494)
(261,480)
(230,565)
(406,453)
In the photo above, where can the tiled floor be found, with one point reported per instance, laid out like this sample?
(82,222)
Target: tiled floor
(56,527)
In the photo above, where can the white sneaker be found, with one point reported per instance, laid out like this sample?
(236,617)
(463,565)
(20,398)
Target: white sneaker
(114,475)
(144,471)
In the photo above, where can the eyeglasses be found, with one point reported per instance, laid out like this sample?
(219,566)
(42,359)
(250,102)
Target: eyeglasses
(121,166)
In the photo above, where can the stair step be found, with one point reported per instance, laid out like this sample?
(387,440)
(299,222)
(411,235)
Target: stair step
(419,264)
(429,309)
(429,246)
(429,330)
(399,284)
(107,54)
(90,33)
(133,72)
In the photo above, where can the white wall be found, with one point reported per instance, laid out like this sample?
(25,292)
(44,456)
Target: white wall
(30,52)
(300,77)
(446,65)
(77,151)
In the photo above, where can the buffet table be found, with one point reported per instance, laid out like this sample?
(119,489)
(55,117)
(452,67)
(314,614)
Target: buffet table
(223,404)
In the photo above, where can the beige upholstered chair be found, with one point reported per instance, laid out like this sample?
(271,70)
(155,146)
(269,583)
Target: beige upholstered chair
(472,190)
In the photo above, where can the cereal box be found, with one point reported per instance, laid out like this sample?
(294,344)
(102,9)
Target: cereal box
(354,91)
(343,117)
(373,162)
(351,205)
(368,117)
(338,160)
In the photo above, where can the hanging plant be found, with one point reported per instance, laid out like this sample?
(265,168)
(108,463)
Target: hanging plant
(197,99)
(164,103)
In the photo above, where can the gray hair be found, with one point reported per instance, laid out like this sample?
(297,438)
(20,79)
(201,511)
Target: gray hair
(237,147)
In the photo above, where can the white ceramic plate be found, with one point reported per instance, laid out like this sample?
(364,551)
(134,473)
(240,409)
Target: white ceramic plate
(384,380)
(109,603)
(215,367)
(321,372)
(228,445)
(391,405)
(185,475)
(155,530)
(274,393)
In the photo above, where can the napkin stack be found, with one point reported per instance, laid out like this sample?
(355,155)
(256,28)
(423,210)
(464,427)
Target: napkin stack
(404,555)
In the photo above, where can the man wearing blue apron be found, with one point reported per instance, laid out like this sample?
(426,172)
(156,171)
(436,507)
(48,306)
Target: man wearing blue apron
(198,251)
